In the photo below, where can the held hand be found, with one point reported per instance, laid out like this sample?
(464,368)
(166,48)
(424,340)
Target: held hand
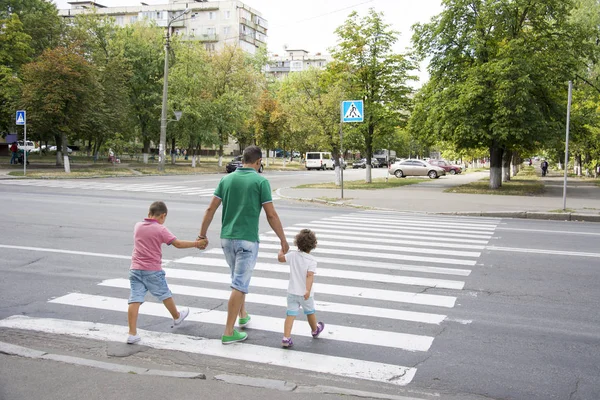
(285,247)
(306,295)
(201,243)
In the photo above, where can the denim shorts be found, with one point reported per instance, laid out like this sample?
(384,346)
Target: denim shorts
(142,281)
(241,257)
(294,302)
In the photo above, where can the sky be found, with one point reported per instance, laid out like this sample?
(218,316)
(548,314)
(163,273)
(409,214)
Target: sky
(310,24)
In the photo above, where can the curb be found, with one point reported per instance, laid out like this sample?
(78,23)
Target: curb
(14,350)
(490,214)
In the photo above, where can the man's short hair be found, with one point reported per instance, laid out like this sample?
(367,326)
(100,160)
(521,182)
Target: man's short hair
(306,240)
(157,208)
(251,154)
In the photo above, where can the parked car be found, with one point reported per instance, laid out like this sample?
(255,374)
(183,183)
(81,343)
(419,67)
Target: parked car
(450,168)
(53,149)
(237,163)
(362,163)
(29,146)
(410,167)
(319,160)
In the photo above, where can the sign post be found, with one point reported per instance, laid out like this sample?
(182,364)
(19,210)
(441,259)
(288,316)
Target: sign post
(350,111)
(21,119)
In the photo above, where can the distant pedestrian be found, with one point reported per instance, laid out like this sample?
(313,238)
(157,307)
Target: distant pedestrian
(14,149)
(544,166)
(300,288)
(146,273)
(244,194)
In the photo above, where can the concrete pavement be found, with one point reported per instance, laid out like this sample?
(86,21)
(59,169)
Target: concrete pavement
(583,199)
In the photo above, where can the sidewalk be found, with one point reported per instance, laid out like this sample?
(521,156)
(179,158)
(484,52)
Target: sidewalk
(583,200)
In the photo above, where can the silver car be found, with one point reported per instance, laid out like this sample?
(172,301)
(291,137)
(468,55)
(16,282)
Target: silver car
(415,168)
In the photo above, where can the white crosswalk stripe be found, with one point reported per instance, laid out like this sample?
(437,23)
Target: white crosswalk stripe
(365,293)
(121,187)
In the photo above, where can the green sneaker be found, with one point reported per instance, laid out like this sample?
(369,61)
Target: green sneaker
(236,337)
(242,322)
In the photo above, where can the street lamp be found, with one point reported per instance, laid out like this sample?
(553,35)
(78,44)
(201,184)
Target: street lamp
(163,117)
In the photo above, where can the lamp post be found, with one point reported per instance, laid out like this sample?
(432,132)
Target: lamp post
(163,117)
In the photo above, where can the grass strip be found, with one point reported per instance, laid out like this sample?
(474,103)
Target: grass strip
(378,183)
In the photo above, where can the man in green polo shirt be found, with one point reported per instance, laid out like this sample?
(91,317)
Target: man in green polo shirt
(243,193)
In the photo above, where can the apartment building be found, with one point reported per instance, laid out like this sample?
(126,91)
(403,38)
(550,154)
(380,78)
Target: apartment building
(214,23)
(281,65)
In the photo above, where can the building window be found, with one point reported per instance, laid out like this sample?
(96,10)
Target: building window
(120,20)
(212,15)
(133,19)
(226,30)
(209,46)
(211,31)
(227,14)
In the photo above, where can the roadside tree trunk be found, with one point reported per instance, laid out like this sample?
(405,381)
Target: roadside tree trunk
(516,163)
(496,153)
(506,158)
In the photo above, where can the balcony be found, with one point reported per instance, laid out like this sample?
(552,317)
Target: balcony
(203,37)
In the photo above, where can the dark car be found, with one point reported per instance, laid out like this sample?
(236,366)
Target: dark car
(449,168)
(237,163)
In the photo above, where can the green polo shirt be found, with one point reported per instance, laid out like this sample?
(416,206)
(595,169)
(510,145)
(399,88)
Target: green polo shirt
(243,194)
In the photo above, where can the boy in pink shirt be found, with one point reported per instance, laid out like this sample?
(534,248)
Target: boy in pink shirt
(146,273)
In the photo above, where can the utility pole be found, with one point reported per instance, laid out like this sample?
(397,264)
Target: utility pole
(163,117)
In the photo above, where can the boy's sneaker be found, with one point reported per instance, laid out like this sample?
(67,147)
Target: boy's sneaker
(287,342)
(236,337)
(131,339)
(320,327)
(182,315)
(242,322)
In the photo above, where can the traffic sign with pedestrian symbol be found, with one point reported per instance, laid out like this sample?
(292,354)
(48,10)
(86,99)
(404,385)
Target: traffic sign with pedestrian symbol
(352,111)
(21,117)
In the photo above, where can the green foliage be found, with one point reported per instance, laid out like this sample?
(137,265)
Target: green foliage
(40,21)
(364,60)
(498,73)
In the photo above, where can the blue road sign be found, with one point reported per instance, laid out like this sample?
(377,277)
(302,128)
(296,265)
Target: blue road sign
(353,111)
(21,117)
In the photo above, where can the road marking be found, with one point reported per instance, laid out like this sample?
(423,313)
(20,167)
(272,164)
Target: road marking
(361,245)
(348,334)
(367,264)
(334,273)
(380,236)
(381,231)
(420,223)
(321,288)
(312,362)
(398,256)
(80,253)
(560,232)
(281,301)
(544,251)
(408,215)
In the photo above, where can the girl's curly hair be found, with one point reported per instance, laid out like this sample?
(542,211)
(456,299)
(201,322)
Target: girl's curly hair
(306,240)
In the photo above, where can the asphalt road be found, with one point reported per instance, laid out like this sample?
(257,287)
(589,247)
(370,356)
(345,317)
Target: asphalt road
(419,305)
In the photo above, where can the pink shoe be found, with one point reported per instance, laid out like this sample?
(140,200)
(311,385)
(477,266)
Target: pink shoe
(287,342)
(320,327)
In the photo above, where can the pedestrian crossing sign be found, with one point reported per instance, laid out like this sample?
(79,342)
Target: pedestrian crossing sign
(21,117)
(352,111)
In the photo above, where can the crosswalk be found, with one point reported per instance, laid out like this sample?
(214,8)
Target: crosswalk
(109,186)
(386,285)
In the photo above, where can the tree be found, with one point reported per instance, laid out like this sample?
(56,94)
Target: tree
(40,21)
(498,72)
(15,50)
(311,99)
(141,46)
(235,80)
(364,58)
(269,121)
(57,92)
(111,112)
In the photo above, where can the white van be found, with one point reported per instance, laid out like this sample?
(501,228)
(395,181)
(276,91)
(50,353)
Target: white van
(319,160)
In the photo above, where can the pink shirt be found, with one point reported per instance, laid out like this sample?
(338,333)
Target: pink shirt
(148,237)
